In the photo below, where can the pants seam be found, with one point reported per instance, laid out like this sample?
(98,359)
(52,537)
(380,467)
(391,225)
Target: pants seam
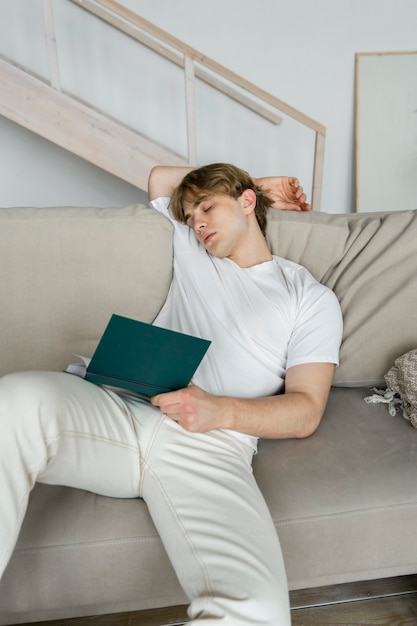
(183,529)
(147,468)
(144,457)
(79,435)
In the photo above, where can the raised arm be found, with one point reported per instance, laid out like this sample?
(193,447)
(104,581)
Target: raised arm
(285,191)
(163,179)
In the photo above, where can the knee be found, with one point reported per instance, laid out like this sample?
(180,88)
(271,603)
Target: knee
(28,423)
(24,397)
(18,386)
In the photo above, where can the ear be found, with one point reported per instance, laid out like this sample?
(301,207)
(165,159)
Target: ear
(248,198)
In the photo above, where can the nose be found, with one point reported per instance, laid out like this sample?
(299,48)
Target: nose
(199,226)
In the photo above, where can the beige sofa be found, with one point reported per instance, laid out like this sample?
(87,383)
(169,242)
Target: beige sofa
(344,501)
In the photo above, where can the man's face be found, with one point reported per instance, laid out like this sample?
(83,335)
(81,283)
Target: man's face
(219,223)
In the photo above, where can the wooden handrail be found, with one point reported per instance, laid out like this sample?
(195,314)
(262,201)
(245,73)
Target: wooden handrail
(134,29)
(116,9)
(211,72)
(28,100)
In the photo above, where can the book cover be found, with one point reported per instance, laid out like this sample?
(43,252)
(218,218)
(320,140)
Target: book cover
(143,358)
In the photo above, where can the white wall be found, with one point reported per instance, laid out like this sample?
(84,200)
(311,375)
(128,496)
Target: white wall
(301,51)
(35,172)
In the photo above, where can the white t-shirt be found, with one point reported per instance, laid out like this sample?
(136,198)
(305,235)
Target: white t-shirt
(261,320)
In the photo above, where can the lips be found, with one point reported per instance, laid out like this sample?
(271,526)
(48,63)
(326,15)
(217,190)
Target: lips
(207,238)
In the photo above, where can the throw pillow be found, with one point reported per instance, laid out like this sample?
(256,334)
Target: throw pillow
(401,392)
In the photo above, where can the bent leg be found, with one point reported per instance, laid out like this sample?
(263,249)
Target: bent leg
(59,429)
(216,527)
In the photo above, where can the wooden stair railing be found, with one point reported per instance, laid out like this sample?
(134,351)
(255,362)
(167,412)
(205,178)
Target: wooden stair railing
(197,65)
(30,102)
(62,118)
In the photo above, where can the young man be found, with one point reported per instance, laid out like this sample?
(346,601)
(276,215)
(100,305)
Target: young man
(270,322)
(189,455)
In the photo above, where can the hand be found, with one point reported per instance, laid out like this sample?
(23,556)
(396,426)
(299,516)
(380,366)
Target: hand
(193,408)
(285,192)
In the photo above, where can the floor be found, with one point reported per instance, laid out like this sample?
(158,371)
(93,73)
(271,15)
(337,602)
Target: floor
(389,602)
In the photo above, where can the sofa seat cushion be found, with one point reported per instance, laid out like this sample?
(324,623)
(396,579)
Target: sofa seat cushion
(344,501)
(70,537)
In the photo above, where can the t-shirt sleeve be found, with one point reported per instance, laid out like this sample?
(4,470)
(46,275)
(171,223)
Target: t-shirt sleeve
(318,329)
(162,206)
(183,238)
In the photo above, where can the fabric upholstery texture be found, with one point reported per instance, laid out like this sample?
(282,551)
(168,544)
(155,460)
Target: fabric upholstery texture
(345,500)
(111,552)
(369,260)
(64,271)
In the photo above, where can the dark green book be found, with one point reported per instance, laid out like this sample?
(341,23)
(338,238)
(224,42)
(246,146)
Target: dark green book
(144,358)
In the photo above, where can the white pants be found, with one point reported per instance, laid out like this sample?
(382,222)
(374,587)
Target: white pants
(58,429)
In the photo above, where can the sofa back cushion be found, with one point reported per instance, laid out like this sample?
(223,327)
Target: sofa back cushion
(64,271)
(370,262)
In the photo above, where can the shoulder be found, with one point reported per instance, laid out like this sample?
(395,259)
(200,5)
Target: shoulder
(305,287)
(296,274)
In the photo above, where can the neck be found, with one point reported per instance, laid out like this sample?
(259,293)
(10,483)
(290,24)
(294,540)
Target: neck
(255,251)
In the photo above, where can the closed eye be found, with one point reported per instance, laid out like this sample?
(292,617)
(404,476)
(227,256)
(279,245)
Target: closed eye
(189,217)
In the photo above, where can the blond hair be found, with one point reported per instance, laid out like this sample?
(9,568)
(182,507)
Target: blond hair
(218,179)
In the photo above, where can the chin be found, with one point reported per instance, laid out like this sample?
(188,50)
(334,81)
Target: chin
(217,253)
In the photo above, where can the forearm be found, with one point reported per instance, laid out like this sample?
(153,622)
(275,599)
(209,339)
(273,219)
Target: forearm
(287,416)
(163,179)
(290,415)
(293,414)
(296,413)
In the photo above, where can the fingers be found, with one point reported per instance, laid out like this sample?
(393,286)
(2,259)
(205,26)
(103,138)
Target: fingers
(298,190)
(166,401)
(191,408)
(168,408)
(173,404)
(299,195)
(155,400)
